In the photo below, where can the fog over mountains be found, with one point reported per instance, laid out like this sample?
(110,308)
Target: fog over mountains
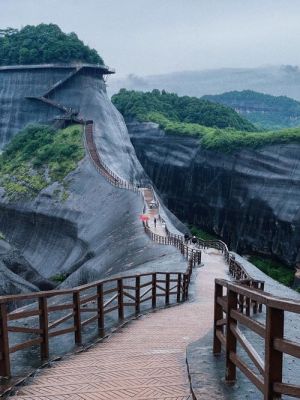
(275,80)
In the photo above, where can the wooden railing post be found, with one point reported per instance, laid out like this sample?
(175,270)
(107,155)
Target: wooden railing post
(154,290)
(4,343)
(218,315)
(230,338)
(273,358)
(43,319)
(77,318)
(184,292)
(167,288)
(100,307)
(178,288)
(120,299)
(137,293)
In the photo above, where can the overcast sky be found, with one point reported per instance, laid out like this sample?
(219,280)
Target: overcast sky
(156,36)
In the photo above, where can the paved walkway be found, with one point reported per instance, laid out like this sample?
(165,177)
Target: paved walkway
(144,360)
(153,212)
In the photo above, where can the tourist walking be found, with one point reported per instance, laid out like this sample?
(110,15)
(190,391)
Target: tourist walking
(154,222)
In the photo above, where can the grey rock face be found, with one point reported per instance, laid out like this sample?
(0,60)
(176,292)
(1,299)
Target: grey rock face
(250,198)
(96,232)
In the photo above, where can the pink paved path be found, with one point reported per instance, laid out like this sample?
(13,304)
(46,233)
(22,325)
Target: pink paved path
(143,360)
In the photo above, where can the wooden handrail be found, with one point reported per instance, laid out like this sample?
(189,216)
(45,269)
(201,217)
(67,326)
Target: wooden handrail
(95,305)
(268,376)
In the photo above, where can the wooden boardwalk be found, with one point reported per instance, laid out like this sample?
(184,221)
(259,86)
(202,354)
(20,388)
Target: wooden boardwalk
(146,359)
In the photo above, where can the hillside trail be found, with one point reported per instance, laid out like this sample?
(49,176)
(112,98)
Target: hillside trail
(145,359)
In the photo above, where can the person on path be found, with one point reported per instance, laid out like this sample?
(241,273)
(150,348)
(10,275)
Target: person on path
(194,240)
(154,222)
(186,237)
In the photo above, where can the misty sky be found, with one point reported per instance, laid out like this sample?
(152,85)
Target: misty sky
(156,36)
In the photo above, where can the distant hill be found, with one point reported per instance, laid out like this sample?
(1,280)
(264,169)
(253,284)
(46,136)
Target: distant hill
(44,43)
(275,80)
(265,111)
(142,106)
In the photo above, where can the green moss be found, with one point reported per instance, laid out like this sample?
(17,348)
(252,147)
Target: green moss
(37,157)
(274,269)
(59,277)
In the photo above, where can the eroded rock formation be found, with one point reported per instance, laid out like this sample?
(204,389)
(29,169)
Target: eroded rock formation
(250,198)
(96,231)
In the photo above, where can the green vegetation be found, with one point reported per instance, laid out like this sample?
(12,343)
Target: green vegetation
(59,278)
(142,106)
(263,110)
(273,269)
(37,157)
(201,234)
(44,43)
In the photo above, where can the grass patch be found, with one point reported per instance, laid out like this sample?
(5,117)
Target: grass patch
(274,269)
(227,139)
(59,278)
(38,156)
(201,234)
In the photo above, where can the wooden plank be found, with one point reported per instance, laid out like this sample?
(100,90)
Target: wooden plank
(4,343)
(120,299)
(167,290)
(221,338)
(24,329)
(178,287)
(24,345)
(108,302)
(255,326)
(62,332)
(146,292)
(145,284)
(154,290)
(111,309)
(287,347)
(230,375)
(77,318)
(287,388)
(88,299)
(23,314)
(89,309)
(222,301)
(89,320)
(59,321)
(247,346)
(257,380)
(61,307)
(146,299)
(128,295)
(137,293)
(100,305)
(273,357)
(43,319)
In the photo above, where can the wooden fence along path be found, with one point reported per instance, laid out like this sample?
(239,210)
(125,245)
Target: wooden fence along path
(146,360)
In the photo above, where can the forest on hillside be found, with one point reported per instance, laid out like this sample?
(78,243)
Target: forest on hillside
(218,127)
(44,43)
(263,110)
(139,105)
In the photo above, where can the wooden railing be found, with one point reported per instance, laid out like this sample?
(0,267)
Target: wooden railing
(230,320)
(60,312)
(191,254)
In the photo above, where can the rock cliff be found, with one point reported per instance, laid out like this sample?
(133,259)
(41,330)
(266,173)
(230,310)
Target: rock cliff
(250,198)
(96,231)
